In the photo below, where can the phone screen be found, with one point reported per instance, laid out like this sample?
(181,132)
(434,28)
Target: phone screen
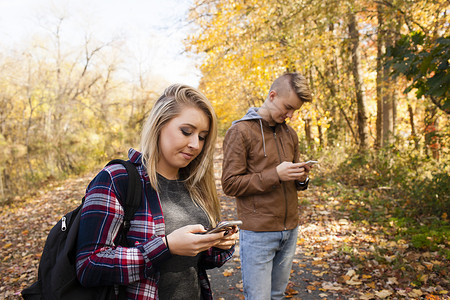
(224,225)
(311,162)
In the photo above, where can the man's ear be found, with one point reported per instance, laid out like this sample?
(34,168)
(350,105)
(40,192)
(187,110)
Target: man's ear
(272,95)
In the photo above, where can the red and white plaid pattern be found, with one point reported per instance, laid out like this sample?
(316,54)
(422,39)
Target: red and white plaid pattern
(101,262)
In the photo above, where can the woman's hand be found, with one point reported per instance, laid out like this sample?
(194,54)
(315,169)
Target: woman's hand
(229,239)
(187,241)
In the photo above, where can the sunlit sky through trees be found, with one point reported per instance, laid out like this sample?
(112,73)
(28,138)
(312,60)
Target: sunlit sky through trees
(152,31)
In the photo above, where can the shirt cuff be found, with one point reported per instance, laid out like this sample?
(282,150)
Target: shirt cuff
(301,186)
(154,252)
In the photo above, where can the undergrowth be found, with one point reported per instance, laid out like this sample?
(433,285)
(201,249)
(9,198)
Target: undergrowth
(405,191)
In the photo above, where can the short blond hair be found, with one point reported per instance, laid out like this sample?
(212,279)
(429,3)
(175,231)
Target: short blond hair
(295,82)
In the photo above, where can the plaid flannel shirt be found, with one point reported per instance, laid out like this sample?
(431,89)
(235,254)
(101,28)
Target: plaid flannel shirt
(100,262)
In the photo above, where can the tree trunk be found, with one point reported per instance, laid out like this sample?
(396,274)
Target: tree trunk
(360,97)
(308,133)
(332,87)
(319,129)
(379,82)
(388,102)
(2,190)
(431,132)
(413,128)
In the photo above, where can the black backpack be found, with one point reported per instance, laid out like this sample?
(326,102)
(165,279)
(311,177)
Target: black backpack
(57,278)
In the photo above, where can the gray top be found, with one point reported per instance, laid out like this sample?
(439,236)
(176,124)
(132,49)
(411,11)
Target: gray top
(179,278)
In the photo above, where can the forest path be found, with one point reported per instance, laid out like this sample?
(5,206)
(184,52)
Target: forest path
(335,257)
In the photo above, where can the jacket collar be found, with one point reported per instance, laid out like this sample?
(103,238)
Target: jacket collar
(135,156)
(252,114)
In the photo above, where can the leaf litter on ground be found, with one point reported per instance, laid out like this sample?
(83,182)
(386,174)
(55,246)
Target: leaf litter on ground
(336,258)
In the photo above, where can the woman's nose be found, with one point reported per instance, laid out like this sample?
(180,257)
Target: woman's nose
(194,142)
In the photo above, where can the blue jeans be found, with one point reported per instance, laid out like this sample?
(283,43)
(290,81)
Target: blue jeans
(266,261)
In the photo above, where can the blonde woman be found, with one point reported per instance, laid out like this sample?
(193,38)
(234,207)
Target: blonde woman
(169,257)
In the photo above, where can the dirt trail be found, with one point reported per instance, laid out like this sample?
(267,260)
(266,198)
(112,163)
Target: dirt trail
(335,258)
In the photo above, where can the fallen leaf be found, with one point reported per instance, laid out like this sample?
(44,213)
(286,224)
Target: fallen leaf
(415,293)
(291,292)
(6,246)
(228,272)
(353,281)
(328,248)
(343,222)
(383,294)
(371,285)
(367,296)
(328,286)
(392,280)
(428,265)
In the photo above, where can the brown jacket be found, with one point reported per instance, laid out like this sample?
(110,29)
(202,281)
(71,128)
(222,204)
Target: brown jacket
(252,151)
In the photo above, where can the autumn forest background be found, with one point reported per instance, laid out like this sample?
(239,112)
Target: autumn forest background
(378,123)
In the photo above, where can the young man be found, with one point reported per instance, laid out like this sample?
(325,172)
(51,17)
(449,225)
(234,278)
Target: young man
(261,169)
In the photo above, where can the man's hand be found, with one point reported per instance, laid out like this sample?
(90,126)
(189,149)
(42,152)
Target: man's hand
(288,171)
(229,239)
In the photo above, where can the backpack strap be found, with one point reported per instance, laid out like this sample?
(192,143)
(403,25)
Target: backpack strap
(130,206)
(134,195)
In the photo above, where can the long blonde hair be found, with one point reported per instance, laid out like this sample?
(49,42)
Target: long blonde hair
(198,176)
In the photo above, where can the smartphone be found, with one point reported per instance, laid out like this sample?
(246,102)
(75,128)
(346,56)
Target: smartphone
(224,225)
(311,162)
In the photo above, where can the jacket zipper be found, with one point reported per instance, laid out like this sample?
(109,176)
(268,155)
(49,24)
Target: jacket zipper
(282,183)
